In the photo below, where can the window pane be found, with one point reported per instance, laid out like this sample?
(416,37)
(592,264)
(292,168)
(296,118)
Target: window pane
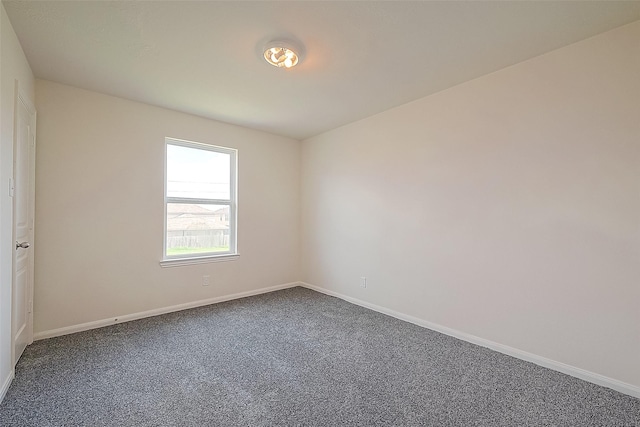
(197,173)
(197,229)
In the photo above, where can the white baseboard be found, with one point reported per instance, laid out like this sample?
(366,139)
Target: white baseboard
(585,375)
(592,377)
(155,312)
(6,384)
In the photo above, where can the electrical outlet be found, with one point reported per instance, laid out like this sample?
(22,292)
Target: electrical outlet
(363,282)
(205,280)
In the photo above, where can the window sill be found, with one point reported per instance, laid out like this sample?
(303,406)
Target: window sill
(178,262)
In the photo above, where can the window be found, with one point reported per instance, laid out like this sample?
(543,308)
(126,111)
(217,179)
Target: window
(200,201)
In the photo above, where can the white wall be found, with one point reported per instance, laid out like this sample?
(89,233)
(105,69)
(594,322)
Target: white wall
(99,209)
(13,67)
(507,207)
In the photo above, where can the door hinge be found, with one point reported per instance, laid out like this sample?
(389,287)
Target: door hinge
(30,306)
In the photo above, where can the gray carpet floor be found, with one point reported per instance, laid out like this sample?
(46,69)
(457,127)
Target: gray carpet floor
(292,358)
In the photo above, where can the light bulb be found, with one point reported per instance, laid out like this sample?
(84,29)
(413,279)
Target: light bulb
(281,56)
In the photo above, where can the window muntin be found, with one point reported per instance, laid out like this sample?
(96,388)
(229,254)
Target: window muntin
(200,200)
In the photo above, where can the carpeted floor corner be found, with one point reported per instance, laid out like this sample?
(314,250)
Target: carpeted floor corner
(292,358)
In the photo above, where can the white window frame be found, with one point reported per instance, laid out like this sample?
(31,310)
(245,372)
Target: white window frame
(232,253)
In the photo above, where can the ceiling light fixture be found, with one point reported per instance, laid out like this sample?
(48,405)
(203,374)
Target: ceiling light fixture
(282,54)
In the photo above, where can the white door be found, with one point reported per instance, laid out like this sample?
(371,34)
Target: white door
(23,214)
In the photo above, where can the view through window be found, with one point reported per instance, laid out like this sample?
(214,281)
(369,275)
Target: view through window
(200,201)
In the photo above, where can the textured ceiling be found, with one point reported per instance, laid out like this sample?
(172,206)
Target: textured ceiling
(361,58)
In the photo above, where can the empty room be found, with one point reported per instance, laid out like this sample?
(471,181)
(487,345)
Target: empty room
(320,213)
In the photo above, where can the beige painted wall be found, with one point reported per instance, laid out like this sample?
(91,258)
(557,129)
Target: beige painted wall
(507,207)
(13,66)
(99,209)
